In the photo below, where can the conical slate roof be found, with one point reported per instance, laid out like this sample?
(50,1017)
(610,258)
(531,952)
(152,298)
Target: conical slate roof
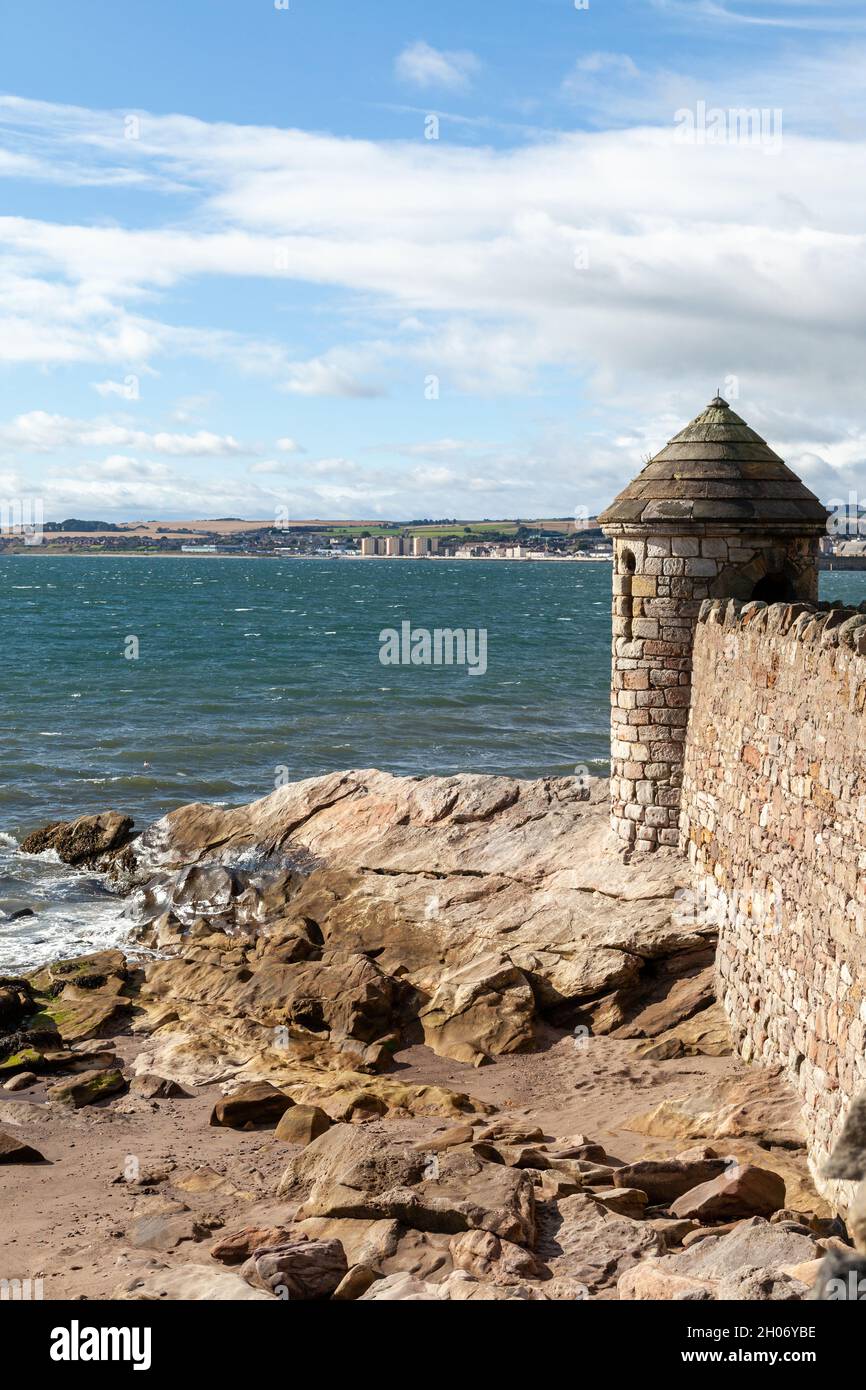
(718,470)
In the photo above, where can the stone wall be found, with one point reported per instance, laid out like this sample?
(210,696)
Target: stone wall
(659,583)
(774,821)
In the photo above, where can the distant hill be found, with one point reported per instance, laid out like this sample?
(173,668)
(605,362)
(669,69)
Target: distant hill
(74,525)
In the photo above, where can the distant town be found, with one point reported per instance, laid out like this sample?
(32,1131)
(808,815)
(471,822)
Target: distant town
(555,539)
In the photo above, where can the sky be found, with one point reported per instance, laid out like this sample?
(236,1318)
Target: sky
(401,260)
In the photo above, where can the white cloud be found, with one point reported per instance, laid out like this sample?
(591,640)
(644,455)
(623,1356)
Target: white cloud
(38,431)
(336,373)
(188,410)
(440,448)
(463,262)
(120,466)
(128,389)
(617,65)
(471,252)
(434,477)
(269,466)
(424,66)
(826,15)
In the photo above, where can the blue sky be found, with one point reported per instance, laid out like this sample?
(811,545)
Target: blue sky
(236,275)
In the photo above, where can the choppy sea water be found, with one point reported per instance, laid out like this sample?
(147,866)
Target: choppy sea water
(249,670)
(253,670)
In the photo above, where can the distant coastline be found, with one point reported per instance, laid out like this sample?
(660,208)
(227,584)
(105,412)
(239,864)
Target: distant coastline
(49,553)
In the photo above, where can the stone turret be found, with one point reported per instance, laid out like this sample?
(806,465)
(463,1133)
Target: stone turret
(716,514)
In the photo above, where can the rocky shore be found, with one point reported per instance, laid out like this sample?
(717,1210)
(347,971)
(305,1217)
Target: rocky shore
(385,1039)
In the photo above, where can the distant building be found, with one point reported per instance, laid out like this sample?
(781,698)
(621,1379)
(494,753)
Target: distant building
(394,545)
(368,545)
(472,552)
(425,545)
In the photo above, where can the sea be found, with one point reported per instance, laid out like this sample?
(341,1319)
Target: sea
(139,684)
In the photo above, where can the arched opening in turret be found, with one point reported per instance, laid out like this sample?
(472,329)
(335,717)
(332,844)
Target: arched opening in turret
(774,588)
(628,565)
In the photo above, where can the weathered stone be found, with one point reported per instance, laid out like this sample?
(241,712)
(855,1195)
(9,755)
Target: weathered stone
(165,1231)
(87,1088)
(682,998)
(484,1007)
(344,992)
(753,1244)
(449,1139)
(663,1180)
(744,1191)
(236,1248)
(370,1243)
(355,1284)
(761,1105)
(257,1104)
(706,1034)
(650,1281)
(190,1283)
(301,1124)
(513,1155)
(16,1000)
(21,1081)
(403,1288)
(14,1150)
(579,1239)
(439,869)
(153,1087)
(345,1166)
(625,1201)
(458,1287)
(672,1232)
(663,1050)
(300,1269)
(751,1285)
(350,1174)
(204,1180)
(514,1131)
(85,841)
(485,1256)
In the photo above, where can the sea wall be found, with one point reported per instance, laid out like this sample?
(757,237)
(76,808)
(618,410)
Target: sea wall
(773,818)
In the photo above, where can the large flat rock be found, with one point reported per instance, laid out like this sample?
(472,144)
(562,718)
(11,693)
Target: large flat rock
(428,874)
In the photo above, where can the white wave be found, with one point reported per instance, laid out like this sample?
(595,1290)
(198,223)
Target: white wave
(49,856)
(59,931)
